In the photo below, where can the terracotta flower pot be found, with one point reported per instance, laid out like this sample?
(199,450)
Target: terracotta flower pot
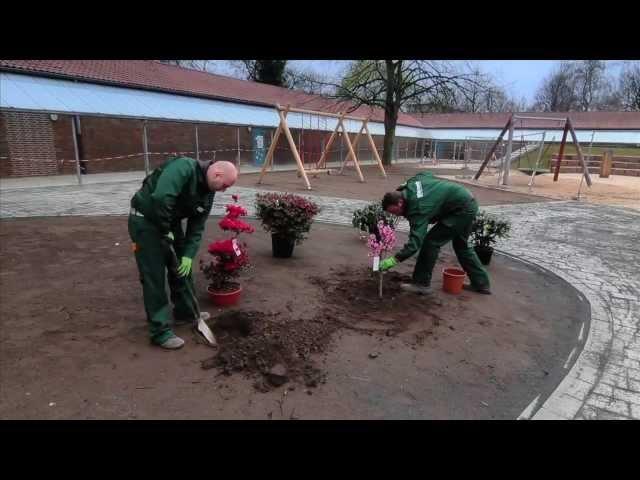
(224,299)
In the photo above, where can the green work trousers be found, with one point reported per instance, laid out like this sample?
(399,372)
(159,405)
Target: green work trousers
(458,235)
(153,258)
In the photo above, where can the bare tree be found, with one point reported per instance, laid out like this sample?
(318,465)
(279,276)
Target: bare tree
(474,97)
(581,85)
(515,105)
(445,103)
(628,92)
(591,84)
(309,81)
(495,100)
(271,72)
(201,65)
(479,96)
(482,94)
(393,84)
(610,98)
(557,92)
(280,73)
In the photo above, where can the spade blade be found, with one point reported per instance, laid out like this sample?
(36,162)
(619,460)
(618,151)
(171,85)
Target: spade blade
(206,332)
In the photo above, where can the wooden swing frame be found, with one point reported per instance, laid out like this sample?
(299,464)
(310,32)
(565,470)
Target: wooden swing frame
(320,165)
(509,127)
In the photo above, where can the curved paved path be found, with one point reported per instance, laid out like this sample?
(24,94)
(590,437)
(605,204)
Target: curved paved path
(595,248)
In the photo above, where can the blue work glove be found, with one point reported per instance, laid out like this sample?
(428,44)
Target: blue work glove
(185,267)
(388,263)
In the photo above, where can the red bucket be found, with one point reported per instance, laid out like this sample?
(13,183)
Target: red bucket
(452,280)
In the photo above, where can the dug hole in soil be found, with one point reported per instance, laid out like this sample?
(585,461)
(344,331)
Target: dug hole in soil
(309,338)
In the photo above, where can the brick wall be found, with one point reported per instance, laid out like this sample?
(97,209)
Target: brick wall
(63,141)
(168,137)
(4,149)
(30,144)
(102,137)
(220,137)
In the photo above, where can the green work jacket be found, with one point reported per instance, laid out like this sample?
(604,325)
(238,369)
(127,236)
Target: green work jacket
(177,190)
(430,200)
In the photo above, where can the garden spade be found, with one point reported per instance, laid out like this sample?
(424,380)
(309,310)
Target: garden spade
(201,327)
(205,331)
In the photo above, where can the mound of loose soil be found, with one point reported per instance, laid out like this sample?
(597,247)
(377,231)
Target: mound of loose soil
(352,293)
(275,351)
(278,350)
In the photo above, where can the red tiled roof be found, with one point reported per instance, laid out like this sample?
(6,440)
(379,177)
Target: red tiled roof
(150,74)
(580,120)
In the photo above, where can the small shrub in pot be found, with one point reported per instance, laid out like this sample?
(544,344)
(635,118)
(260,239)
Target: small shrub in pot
(366,219)
(288,217)
(485,232)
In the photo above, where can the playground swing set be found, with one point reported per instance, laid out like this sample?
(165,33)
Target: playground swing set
(321,165)
(508,157)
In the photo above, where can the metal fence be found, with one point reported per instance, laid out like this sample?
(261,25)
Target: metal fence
(99,145)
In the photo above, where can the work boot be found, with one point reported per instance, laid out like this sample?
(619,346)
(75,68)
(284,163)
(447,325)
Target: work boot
(183,321)
(172,343)
(416,288)
(473,288)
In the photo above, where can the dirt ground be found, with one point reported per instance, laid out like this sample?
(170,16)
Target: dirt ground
(74,339)
(615,190)
(375,186)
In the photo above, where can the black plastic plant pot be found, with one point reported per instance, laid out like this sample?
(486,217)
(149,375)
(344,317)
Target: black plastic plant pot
(282,246)
(484,254)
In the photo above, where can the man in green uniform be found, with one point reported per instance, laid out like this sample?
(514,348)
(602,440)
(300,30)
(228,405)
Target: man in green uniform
(425,200)
(181,188)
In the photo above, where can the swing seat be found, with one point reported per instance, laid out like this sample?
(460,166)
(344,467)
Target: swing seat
(315,171)
(539,171)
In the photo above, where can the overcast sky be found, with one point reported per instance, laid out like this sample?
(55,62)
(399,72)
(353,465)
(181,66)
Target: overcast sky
(520,78)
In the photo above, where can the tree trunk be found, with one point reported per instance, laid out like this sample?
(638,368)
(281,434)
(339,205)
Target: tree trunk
(391,110)
(389,139)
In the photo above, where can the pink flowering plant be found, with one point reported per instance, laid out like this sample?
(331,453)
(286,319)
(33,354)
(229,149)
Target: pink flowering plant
(229,255)
(381,245)
(378,248)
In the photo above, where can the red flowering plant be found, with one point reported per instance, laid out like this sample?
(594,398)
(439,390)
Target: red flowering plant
(286,214)
(229,256)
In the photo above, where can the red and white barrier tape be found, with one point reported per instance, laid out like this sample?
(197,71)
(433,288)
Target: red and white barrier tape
(142,154)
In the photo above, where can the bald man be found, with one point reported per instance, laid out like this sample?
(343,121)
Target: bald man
(182,188)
